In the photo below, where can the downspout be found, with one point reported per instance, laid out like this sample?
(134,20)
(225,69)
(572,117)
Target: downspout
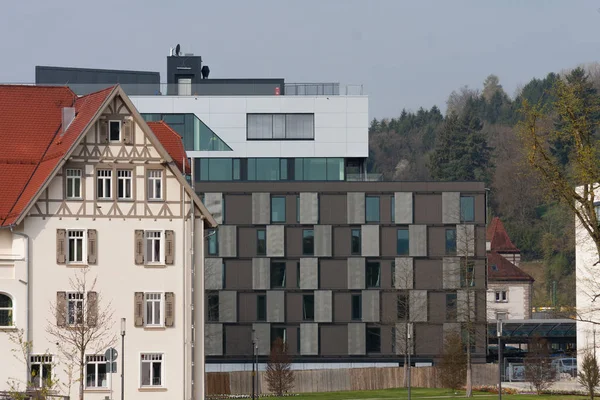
(27,316)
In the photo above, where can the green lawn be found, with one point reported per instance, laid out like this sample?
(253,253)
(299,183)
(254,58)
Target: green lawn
(418,394)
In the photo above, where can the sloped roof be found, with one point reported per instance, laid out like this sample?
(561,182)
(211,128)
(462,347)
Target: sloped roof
(172,142)
(500,241)
(500,269)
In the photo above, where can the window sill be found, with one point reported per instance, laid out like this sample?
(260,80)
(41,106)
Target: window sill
(126,200)
(155,328)
(77,265)
(97,390)
(152,389)
(156,200)
(158,265)
(74,198)
(8,328)
(104,200)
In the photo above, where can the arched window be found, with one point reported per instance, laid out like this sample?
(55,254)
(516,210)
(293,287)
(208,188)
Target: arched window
(6,310)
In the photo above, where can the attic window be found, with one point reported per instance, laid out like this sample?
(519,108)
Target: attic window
(494,267)
(114,131)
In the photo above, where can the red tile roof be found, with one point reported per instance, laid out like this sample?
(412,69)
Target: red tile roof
(31,143)
(500,269)
(500,242)
(172,143)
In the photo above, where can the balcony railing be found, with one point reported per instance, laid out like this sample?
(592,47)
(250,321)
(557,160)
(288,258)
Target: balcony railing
(364,177)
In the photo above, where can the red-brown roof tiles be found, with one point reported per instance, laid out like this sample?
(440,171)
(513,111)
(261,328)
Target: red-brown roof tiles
(500,241)
(172,143)
(500,269)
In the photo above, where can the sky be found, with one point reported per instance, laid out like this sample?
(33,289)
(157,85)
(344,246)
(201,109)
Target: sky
(405,53)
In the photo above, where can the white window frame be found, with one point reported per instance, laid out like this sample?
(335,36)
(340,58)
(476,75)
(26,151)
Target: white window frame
(11,310)
(154,182)
(125,177)
(72,175)
(96,360)
(120,131)
(83,238)
(106,177)
(150,297)
(149,238)
(75,298)
(41,360)
(162,368)
(501,296)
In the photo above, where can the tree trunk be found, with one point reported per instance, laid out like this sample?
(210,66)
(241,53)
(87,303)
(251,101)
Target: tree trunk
(81,375)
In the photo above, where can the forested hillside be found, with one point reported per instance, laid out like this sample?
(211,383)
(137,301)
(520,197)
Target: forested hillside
(478,139)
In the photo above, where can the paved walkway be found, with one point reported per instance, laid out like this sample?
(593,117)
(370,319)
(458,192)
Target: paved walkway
(570,385)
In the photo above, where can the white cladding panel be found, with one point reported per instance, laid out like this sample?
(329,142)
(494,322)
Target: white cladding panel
(341,123)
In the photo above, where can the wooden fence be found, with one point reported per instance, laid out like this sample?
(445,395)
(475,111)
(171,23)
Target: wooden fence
(334,380)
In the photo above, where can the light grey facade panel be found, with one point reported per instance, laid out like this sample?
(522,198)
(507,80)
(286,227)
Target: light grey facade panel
(227,306)
(262,333)
(451,272)
(275,306)
(356,208)
(356,339)
(227,240)
(370,305)
(213,273)
(403,207)
(417,235)
(275,240)
(418,305)
(213,339)
(450,328)
(261,208)
(402,342)
(214,204)
(309,273)
(465,240)
(323,305)
(451,207)
(404,271)
(309,208)
(356,273)
(322,240)
(261,273)
(463,306)
(370,240)
(309,339)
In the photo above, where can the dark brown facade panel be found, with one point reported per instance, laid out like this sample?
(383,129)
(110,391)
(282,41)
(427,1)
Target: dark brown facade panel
(480,208)
(291,216)
(389,307)
(247,242)
(429,339)
(480,245)
(436,241)
(247,307)
(238,208)
(333,340)
(386,274)
(428,208)
(385,208)
(293,241)
(333,209)
(342,240)
(292,279)
(238,340)
(342,307)
(437,307)
(388,241)
(386,339)
(428,274)
(293,305)
(333,274)
(238,274)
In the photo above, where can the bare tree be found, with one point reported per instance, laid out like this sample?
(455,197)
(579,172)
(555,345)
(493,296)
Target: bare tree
(589,376)
(279,375)
(453,366)
(83,324)
(538,365)
(457,100)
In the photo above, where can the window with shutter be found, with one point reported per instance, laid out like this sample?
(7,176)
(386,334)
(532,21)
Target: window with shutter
(138,309)
(139,247)
(92,246)
(92,308)
(103,131)
(169,247)
(61,257)
(169,309)
(61,309)
(128,131)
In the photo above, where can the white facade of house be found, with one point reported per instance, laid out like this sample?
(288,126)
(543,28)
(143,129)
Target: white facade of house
(509,300)
(340,123)
(116,224)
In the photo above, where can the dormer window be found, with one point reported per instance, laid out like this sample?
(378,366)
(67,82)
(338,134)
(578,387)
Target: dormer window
(114,131)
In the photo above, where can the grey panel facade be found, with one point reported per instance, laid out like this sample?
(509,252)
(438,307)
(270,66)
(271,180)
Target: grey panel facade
(451,207)
(403,208)
(370,305)
(309,339)
(261,208)
(356,208)
(356,273)
(261,273)
(370,240)
(403,345)
(227,306)
(262,333)
(275,306)
(417,240)
(404,273)
(213,339)
(356,338)
(213,273)
(465,305)
(309,208)
(323,305)
(465,240)
(451,272)
(322,240)
(227,240)
(275,240)
(214,204)
(418,305)
(309,273)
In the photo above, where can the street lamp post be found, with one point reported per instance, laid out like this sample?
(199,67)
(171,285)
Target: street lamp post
(253,355)
(123,358)
(499,333)
(409,337)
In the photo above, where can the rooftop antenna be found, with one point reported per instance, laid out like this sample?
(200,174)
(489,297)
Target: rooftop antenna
(177,49)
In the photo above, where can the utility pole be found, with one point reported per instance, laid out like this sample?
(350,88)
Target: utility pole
(253,355)
(499,334)
(409,339)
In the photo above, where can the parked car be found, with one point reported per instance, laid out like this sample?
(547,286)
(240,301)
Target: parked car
(565,366)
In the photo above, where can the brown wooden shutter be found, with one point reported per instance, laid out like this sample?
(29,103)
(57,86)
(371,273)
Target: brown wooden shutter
(61,308)
(169,247)
(103,131)
(61,246)
(128,131)
(92,248)
(138,309)
(169,309)
(92,308)
(139,247)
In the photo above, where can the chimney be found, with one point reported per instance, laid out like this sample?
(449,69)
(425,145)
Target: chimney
(68,115)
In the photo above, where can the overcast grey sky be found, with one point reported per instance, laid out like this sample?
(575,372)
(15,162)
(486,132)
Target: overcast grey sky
(405,53)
